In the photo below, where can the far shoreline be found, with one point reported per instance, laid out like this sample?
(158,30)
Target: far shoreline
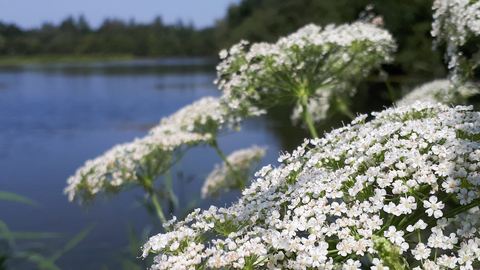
(19,60)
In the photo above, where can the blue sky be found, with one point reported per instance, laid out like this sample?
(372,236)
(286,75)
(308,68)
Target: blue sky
(32,13)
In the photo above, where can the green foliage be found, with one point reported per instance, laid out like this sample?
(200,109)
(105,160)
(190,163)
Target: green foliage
(49,262)
(13,253)
(17,198)
(409,22)
(114,37)
(129,258)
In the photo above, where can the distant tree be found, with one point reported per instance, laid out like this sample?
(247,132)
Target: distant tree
(157,23)
(68,25)
(82,25)
(10,30)
(3,43)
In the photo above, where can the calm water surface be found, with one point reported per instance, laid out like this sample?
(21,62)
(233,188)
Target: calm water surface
(54,117)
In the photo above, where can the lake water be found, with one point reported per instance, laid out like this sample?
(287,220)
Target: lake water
(54,117)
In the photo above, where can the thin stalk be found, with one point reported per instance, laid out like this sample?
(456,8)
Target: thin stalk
(343,107)
(238,177)
(391,91)
(159,210)
(309,121)
(459,210)
(171,195)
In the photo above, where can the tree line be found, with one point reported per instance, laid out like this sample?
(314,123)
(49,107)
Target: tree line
(113,37)
(409,21)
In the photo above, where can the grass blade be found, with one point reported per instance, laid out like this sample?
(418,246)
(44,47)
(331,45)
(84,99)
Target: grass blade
(9,196)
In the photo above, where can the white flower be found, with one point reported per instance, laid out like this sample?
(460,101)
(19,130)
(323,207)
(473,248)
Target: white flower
(420,224)
(352,265)
(223,54)
(434,207)
(465,196)
(394,236)
(421,252)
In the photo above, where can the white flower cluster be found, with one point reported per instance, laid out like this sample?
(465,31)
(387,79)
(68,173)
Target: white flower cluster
(207,115)
(303,64)
(132,162)
(222,179)
(455,21)
(402,189)
(442,91)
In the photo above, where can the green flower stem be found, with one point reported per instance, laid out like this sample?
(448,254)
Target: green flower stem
(238,177)
(159,210)
(457,211)
(408,220)
(172,198)
(391,91)
(308,119)
(343,108)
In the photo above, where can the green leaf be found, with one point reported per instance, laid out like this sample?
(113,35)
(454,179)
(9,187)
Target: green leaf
(5,233)
(134,244)
(3,259)
(49,263)
(129,265)
(78,238)
(33,235)
(9,196)
(72,243)
(42,262)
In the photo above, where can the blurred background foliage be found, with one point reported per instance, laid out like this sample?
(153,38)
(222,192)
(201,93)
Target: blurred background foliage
(255,20)
(409,21)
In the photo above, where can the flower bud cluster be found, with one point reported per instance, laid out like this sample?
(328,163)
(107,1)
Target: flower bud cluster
(305,64)
(402,189)
(443,91)
(127,163)
(222,178)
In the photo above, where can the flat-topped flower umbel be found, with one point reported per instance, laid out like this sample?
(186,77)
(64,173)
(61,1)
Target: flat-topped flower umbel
(399,191)
(140,162)
(443,91)
(316,69)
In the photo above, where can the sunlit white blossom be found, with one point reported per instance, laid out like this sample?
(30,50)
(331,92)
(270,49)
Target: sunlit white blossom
(288,212)
(440,91)
(311,68)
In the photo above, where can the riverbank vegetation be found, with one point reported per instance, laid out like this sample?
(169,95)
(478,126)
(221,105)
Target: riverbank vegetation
(253,20)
